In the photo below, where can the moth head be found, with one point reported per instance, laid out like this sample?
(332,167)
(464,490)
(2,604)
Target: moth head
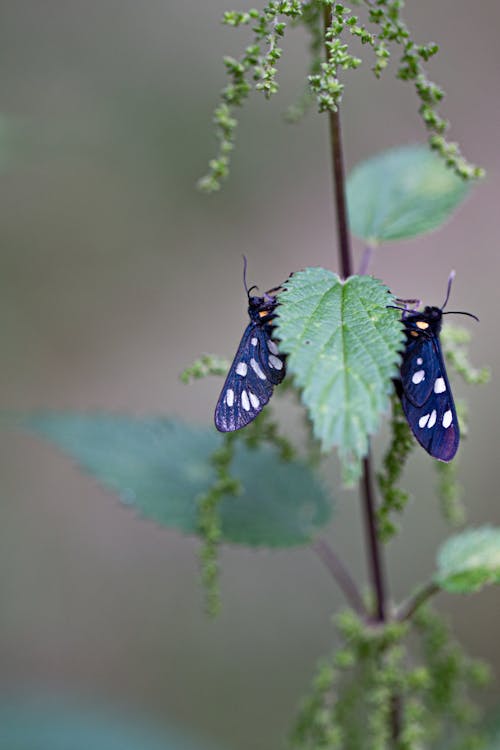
(433,313)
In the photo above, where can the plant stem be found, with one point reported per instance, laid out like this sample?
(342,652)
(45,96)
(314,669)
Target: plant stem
(341,575)
(340,200)
(408,608)
(337,155)
(366,260)
(376,567)
(367,489)
(374,548)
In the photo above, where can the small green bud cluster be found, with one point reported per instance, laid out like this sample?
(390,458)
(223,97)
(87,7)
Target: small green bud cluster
(451,674)
(449,490)
(326,85)
(372,675)
(312,20)
(207,364)
(209,521)
(327,22)
(386,14)
(394,499)
(257,67)
(262,430)
(455,341)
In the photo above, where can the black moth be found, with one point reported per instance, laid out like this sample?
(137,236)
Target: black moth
(256,369)
(424,388)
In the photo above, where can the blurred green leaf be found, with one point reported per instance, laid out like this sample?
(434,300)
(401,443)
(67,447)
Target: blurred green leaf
(161,467)
(469,561)
(343,345)
(492,735)
(401,193)
(48,723)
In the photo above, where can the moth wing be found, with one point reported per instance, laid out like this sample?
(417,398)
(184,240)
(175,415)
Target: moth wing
(419,369)
(247,388)
(434,422)
(271,362)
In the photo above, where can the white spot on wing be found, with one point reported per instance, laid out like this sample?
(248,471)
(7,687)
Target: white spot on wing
(439,385)
(275,362)
(257,369)
(229,397)
(418,377)
(423,420)
(254,341)
(447,418)
(244,401)
(254,400)
(241,369)
(432,419)
(419,361)
(272,346)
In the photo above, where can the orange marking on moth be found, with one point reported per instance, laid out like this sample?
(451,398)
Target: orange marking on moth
(422,324)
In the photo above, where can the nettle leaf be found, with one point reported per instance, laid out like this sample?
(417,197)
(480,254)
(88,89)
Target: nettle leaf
(492,734)
(402,193)
(470,560)
(161,467)
(343,344)
(47,722)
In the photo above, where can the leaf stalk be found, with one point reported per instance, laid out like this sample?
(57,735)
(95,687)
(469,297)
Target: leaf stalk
(341,575)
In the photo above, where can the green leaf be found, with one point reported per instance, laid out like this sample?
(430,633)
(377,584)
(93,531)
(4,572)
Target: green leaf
(492,733)
(52,723)
(470,560)
(343,343)
(402,193)
(161,467)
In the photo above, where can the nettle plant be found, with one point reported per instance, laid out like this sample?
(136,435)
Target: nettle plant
(398,679)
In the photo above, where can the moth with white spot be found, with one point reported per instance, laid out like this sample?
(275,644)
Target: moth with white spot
(424,388)
(256,369)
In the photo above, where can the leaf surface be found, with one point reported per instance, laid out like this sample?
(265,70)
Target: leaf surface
(343,344)
(47,722)
(161,467)
(402,193)
(470,560)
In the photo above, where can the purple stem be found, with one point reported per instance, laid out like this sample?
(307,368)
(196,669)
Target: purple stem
(367,489)
(345,252)
(341,575)
(366,260)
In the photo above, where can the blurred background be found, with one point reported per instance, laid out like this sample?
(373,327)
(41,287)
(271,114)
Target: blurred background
(116,274)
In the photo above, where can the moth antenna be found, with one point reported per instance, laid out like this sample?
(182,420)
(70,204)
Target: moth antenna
(247,290)
(406,304)
(461,312)
(415,301)
(448,290)
(245,273)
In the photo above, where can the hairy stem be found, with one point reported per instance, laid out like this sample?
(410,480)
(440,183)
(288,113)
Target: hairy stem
(367,489)
(366,260)
(337,156)
(408,608)
(345,252)
(374,547)
(341,575)
(340,199)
